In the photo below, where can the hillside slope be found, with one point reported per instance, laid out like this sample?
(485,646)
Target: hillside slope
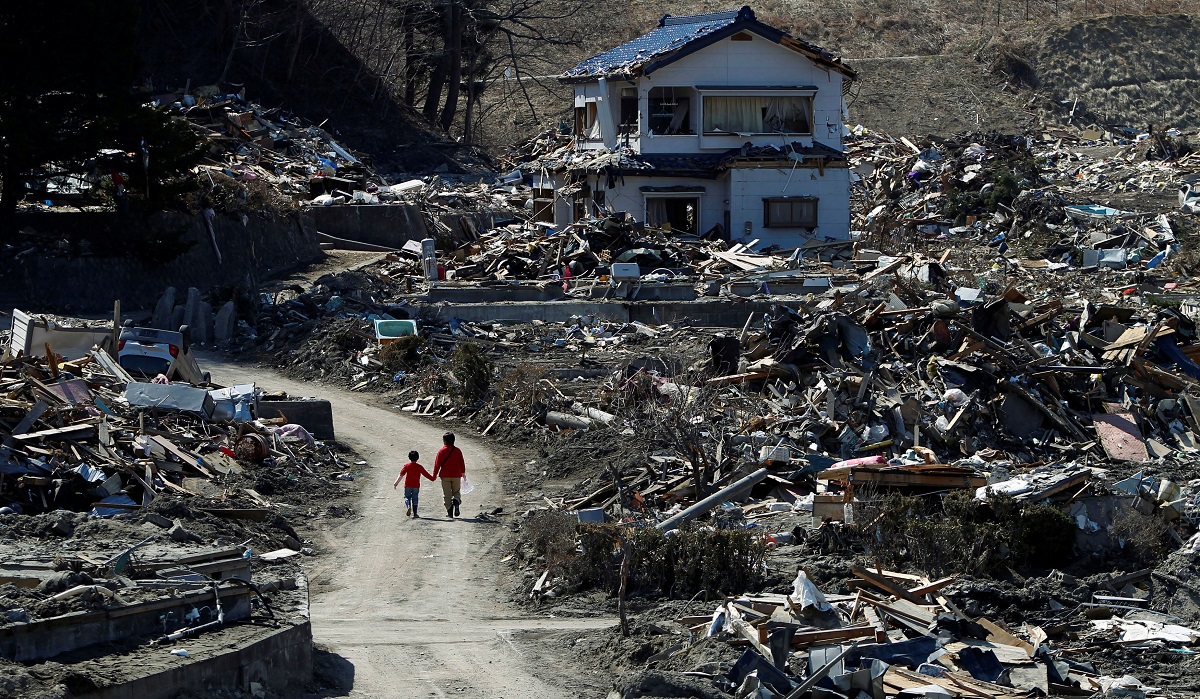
(288,59)
(1126,70)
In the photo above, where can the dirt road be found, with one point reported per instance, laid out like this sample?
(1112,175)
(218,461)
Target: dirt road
(416,606)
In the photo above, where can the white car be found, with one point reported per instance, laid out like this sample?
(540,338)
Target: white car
(149,352)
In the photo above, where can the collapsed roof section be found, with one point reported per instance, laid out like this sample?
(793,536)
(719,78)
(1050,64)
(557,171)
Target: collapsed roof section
(676,37)
(704,165)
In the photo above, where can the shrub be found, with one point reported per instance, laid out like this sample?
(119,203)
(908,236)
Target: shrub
(551,536)
(683,563)
(959,534)
(473,371)
(402,354)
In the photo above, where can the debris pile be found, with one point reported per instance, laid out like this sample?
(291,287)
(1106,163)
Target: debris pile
(992,341)
(1034,194)
(116,494)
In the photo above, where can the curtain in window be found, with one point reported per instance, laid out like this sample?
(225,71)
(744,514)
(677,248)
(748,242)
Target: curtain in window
(734,114)
(748,115)
(656,212)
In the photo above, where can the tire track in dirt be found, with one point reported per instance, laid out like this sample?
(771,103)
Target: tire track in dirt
(416,607)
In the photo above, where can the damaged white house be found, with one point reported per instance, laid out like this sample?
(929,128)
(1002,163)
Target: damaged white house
(714,124)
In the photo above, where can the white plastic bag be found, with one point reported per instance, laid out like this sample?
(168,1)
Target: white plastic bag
(465,486)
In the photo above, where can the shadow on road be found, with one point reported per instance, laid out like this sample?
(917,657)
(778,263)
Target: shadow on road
(333,675)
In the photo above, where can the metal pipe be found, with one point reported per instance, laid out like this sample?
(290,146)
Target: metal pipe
(712,501)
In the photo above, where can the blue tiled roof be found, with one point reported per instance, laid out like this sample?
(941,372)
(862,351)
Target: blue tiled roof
(672,33)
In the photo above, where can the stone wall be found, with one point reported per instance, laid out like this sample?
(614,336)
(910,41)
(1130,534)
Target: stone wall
(249,250)
(390,225)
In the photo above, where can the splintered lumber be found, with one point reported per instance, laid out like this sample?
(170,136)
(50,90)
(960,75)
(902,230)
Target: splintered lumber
(737,378)
(999,636)
(932,587)
(31,417)
(807,639)
(886,585)
(185,457)
(110,365)
(886,269)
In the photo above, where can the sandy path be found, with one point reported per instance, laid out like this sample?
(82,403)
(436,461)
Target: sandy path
(415,606)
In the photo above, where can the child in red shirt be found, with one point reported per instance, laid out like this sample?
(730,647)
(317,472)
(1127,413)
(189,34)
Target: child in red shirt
(411,474)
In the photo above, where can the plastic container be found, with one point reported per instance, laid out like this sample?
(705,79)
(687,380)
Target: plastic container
(391,330)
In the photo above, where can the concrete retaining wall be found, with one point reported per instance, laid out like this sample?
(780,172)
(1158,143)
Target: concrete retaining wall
(282,662)
(316,416)
(40,640)
(391,225)
(86,284)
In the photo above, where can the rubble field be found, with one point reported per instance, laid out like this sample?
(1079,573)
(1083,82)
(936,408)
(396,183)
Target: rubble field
(164,518)
(951,456)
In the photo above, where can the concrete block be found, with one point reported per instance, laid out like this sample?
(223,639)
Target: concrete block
(206,322)
(225,324)
(157,520)
(191,311)
(178,317)
(181,535)
(164,310)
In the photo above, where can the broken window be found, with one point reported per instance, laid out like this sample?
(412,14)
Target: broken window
(543,205)
(790,212)
(680,214)
(587,126)
(753,115)
(670,109)
(629,111)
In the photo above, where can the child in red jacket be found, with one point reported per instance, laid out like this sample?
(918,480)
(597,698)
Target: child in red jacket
(411,474)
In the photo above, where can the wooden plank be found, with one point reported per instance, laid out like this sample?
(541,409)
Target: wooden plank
(886,585)
(998,635)
(110,366)
(807,639)
(69,432)
(932,587)
(876,621)
(31,417)
(185,457)
(886,269)
(737,378)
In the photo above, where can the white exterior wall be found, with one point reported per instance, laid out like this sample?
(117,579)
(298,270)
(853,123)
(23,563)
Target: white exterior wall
(757,63)
(732,64)
(749,186)
(629,197)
